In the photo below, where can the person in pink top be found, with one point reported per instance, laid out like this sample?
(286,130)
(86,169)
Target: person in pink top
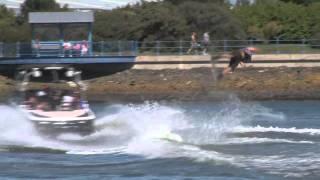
(67,48)
(77,49)
(84,48)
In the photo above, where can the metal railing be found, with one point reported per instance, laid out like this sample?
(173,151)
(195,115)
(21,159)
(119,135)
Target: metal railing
(76,49)
(133,48)
(226,46)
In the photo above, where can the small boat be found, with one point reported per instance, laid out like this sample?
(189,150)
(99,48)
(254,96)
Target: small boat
(57,107)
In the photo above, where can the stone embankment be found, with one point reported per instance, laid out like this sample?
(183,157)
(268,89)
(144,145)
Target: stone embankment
(285,76)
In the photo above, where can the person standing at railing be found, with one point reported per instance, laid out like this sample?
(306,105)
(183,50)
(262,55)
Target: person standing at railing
(76,49)
(241,57)
(205,43)
(84,48)
(36,47)
(67,49)
(194,43)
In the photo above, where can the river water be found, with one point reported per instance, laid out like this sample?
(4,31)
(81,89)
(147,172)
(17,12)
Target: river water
(189,140)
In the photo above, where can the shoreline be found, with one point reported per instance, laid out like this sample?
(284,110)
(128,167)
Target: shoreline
(200,84)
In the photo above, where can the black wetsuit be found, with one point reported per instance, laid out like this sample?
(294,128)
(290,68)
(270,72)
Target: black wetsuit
(239,56)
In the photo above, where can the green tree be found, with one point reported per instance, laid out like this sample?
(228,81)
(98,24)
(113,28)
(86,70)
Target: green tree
(115,25)
(164,20)
(276,18)
(10,31)
(303,2)
(210,17)
(177,2)
(314,17)
(39,6)
(271,30)
(148,21)
(243,2)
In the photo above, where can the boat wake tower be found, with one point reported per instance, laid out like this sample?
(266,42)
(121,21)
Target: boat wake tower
(55,56)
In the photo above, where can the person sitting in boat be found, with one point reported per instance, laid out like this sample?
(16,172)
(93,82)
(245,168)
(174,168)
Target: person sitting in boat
(43,103)
(31,102)
(67,102)
(76,104)
(56,99)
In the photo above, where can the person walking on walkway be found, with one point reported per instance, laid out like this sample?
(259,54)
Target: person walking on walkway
(205,43)
(194,43)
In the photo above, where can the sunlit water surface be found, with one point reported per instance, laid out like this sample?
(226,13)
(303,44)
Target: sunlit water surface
(193,140)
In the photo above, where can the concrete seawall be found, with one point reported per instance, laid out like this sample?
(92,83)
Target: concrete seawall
(172,62)
(197,61)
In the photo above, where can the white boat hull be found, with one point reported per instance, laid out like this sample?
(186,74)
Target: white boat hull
(55,122)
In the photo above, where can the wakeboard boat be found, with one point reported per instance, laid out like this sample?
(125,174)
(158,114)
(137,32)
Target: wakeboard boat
(56,107)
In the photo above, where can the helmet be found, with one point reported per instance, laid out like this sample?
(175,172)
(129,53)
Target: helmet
(252,49)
